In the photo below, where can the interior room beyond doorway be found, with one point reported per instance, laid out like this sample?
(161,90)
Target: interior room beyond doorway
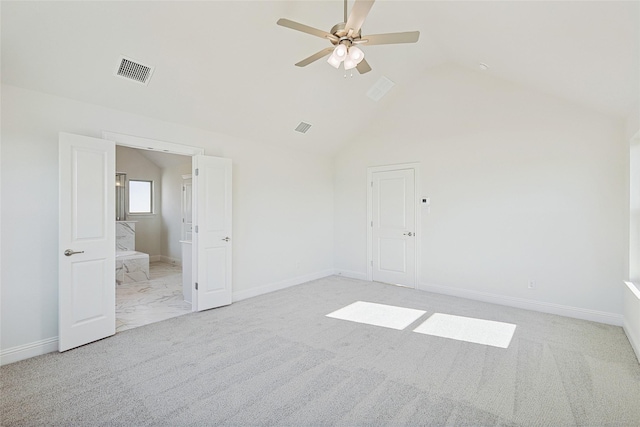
(150,237)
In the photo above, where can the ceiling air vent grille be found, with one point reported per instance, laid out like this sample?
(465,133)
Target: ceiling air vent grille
(133,70)
(380,88)
(303,127)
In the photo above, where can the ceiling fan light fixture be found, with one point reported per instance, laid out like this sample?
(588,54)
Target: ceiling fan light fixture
(349,63)
(340,51)
(334,60)
(356,54)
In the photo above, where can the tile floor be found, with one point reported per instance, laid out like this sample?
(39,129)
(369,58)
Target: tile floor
(157,299)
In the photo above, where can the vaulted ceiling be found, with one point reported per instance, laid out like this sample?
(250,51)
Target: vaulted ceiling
(226,66)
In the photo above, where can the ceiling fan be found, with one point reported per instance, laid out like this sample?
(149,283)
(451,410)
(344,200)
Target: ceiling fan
(346,36)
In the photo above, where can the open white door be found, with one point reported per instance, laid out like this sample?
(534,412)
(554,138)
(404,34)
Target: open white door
(212,232)
(86,240)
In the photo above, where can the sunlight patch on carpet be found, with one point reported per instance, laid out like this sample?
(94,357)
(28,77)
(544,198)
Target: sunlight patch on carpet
(388,316)
(478,331)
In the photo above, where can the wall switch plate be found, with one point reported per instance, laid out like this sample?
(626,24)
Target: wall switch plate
(531,284)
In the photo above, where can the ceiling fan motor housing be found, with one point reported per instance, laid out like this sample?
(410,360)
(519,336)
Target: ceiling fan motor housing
(343,36)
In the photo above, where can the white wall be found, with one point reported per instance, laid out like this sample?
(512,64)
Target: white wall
(172,209)
(522,185)
(633,123)
(633,136)
(282,206)
(634,210)
(148,227)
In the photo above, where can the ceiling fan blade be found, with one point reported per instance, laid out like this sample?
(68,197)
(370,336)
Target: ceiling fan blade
(363,67)
(315,57)
(359,13)
(391,38)
(283,22)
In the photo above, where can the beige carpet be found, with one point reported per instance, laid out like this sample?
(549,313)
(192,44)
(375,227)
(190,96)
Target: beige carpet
(278,360)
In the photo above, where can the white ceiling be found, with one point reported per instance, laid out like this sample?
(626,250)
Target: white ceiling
(226,66)
(165,160)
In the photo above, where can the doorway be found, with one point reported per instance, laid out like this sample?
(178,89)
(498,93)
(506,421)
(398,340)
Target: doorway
(392,224)
(211,264)
(86,261)
(150,256)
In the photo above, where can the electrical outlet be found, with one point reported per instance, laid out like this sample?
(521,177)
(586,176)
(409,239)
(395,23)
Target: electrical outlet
(531,284)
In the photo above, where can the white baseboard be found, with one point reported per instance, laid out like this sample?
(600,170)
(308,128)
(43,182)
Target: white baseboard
(351,274)
(26,351)
(271,287)
(168,260)
(633,339)
(527,304)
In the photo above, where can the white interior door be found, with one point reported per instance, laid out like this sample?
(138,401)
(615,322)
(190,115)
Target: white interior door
(393,227)
(212,236)
(86,240)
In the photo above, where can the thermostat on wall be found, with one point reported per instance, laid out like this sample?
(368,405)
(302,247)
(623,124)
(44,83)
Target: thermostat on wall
(426,205)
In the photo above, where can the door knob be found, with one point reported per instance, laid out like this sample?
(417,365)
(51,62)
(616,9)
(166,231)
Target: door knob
(70,252)
(226,239)
(408,234)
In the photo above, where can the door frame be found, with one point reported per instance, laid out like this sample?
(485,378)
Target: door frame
(183,204)
(164,147)
(416,176)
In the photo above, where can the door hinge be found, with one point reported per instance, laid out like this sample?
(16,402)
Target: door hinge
(197,171)
(372,223)
(371,263)
(196,286)
(371,184)
(196,228)
(184,188)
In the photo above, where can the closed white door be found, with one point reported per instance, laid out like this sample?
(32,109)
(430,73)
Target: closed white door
(86,249)
(393,227)
(212,239)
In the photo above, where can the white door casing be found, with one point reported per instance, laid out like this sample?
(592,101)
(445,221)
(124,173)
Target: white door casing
(187,208)
(86,309)
(212,237)
(393,225)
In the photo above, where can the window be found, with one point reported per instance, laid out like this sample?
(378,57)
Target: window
(140,197)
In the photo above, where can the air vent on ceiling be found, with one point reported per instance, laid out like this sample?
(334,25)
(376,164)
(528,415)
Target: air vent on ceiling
(380,88)
(131,69)
(303,127)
